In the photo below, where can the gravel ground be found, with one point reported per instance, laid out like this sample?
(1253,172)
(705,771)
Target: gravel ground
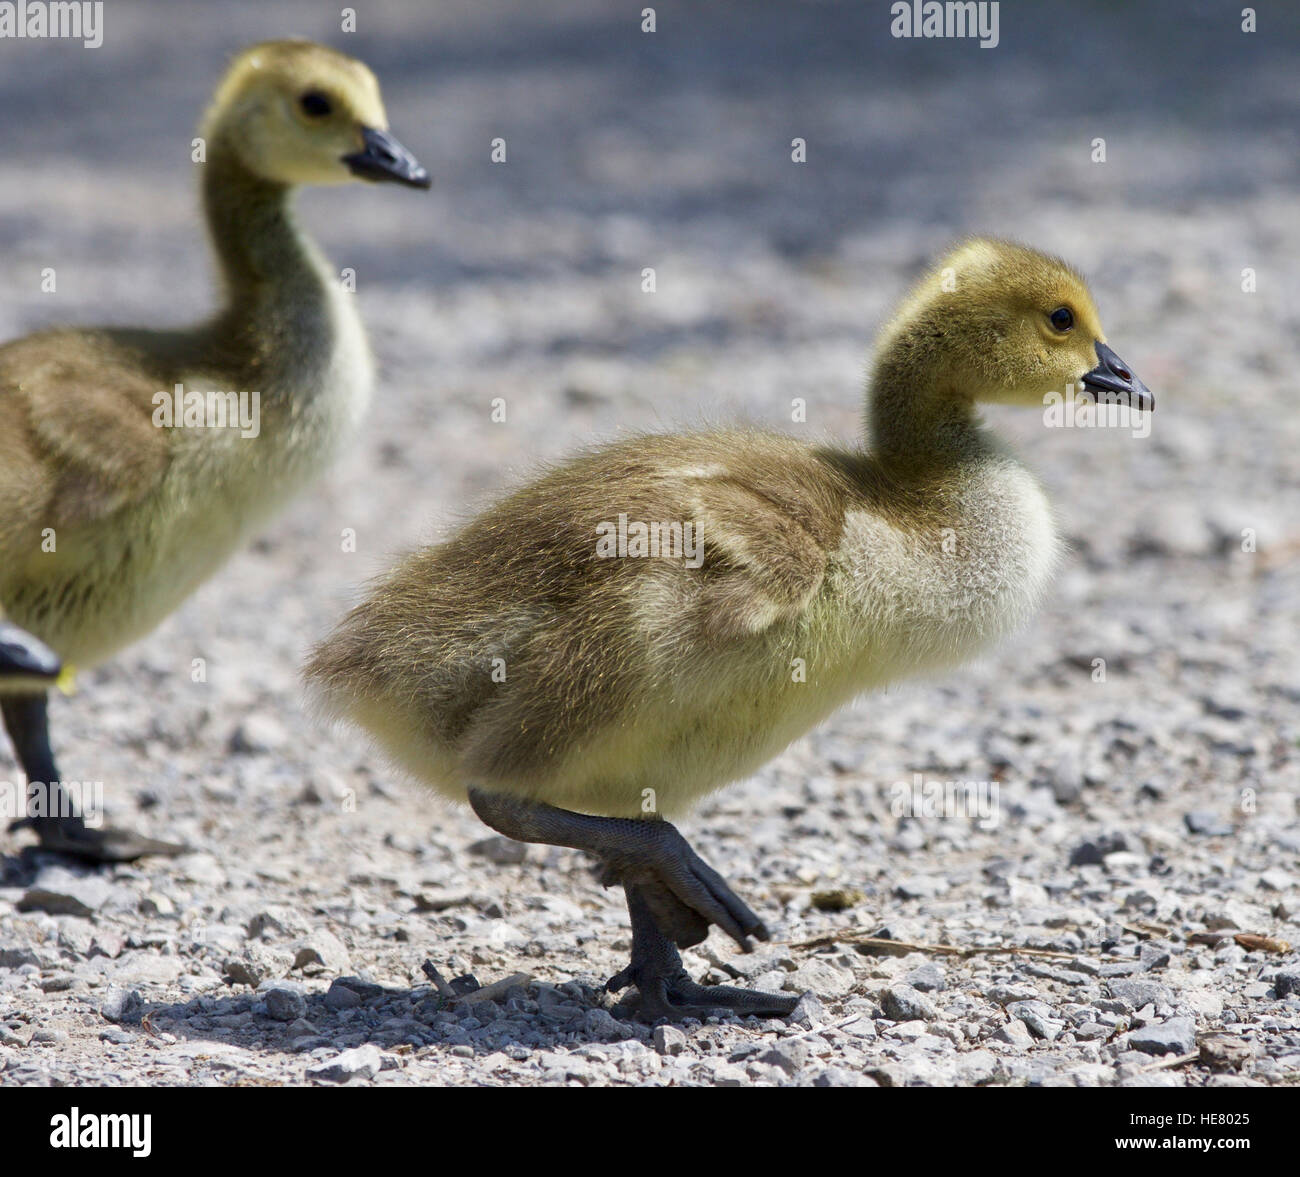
(1147,804)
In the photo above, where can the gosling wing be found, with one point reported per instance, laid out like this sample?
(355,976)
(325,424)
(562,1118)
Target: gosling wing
(77,439)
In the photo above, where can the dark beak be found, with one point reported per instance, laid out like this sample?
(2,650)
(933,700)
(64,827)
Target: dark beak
(22,656)
(385,159)
(1112,383)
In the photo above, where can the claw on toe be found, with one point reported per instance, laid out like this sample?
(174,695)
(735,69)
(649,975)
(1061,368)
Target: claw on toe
(620,981)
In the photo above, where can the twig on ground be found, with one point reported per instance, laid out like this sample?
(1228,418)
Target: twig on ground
(439,981)
(496,989)
(899,947)
(1248,940)
(1166,1063)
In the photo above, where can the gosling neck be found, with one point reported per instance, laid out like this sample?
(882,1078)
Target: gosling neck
(916,424)
(275,278)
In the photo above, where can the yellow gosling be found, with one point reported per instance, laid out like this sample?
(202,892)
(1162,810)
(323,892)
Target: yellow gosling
(577,683)
(98,444)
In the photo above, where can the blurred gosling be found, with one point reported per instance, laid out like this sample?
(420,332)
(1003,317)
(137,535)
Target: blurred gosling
(142,506)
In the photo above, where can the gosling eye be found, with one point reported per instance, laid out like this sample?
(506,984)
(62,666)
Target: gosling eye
(315,104)
(1062,319)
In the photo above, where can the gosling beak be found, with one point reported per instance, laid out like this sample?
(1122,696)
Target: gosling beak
(1112,382)
(22,656)
(385,159)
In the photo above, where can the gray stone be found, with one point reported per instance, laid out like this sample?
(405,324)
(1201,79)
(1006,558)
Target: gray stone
(920,887)
(1038,1020)
(107,943)
(1095,850)
(1016,1034)
(362,1062)
(142,967)
(723,1074)
(76,936)
(819,976)
(274,922)
(1136,994)
(256,964)
(1176,1036)
(669,1040)
(1204,821)
(889,1075)
(340,996)
(1092,1031)
(1287,982)
(861,1027)
(1153,955)
(808,1012)
(285,1005)
(1066,777)
(16,958)
(122,1005)
(322,951)
(929,978)
(257,735)
(977,1066)
(600,1023)
(841,1077)
(366,990)
(789,1056)
(902,1003)
(1006,994)
(62,893)
(158,905)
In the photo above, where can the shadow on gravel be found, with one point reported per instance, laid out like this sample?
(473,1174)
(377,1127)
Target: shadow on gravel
(281,1017)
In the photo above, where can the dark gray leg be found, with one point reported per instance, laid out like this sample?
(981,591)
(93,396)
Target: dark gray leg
(672,897)
(666,990)
(27,722)
(690,893)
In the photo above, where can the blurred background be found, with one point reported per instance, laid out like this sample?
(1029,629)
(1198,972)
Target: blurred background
(522,280)
(673,150)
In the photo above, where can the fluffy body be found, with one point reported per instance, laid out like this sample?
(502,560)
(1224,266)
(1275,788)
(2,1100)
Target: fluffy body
(628,674)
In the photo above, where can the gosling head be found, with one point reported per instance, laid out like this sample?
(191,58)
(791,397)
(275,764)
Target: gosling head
(295,112)
(1001,322)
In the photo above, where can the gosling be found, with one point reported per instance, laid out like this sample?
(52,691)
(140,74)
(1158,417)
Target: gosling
(576,699)
(111,514)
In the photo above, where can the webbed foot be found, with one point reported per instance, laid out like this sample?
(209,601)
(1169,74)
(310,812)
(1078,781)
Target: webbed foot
(665,989)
